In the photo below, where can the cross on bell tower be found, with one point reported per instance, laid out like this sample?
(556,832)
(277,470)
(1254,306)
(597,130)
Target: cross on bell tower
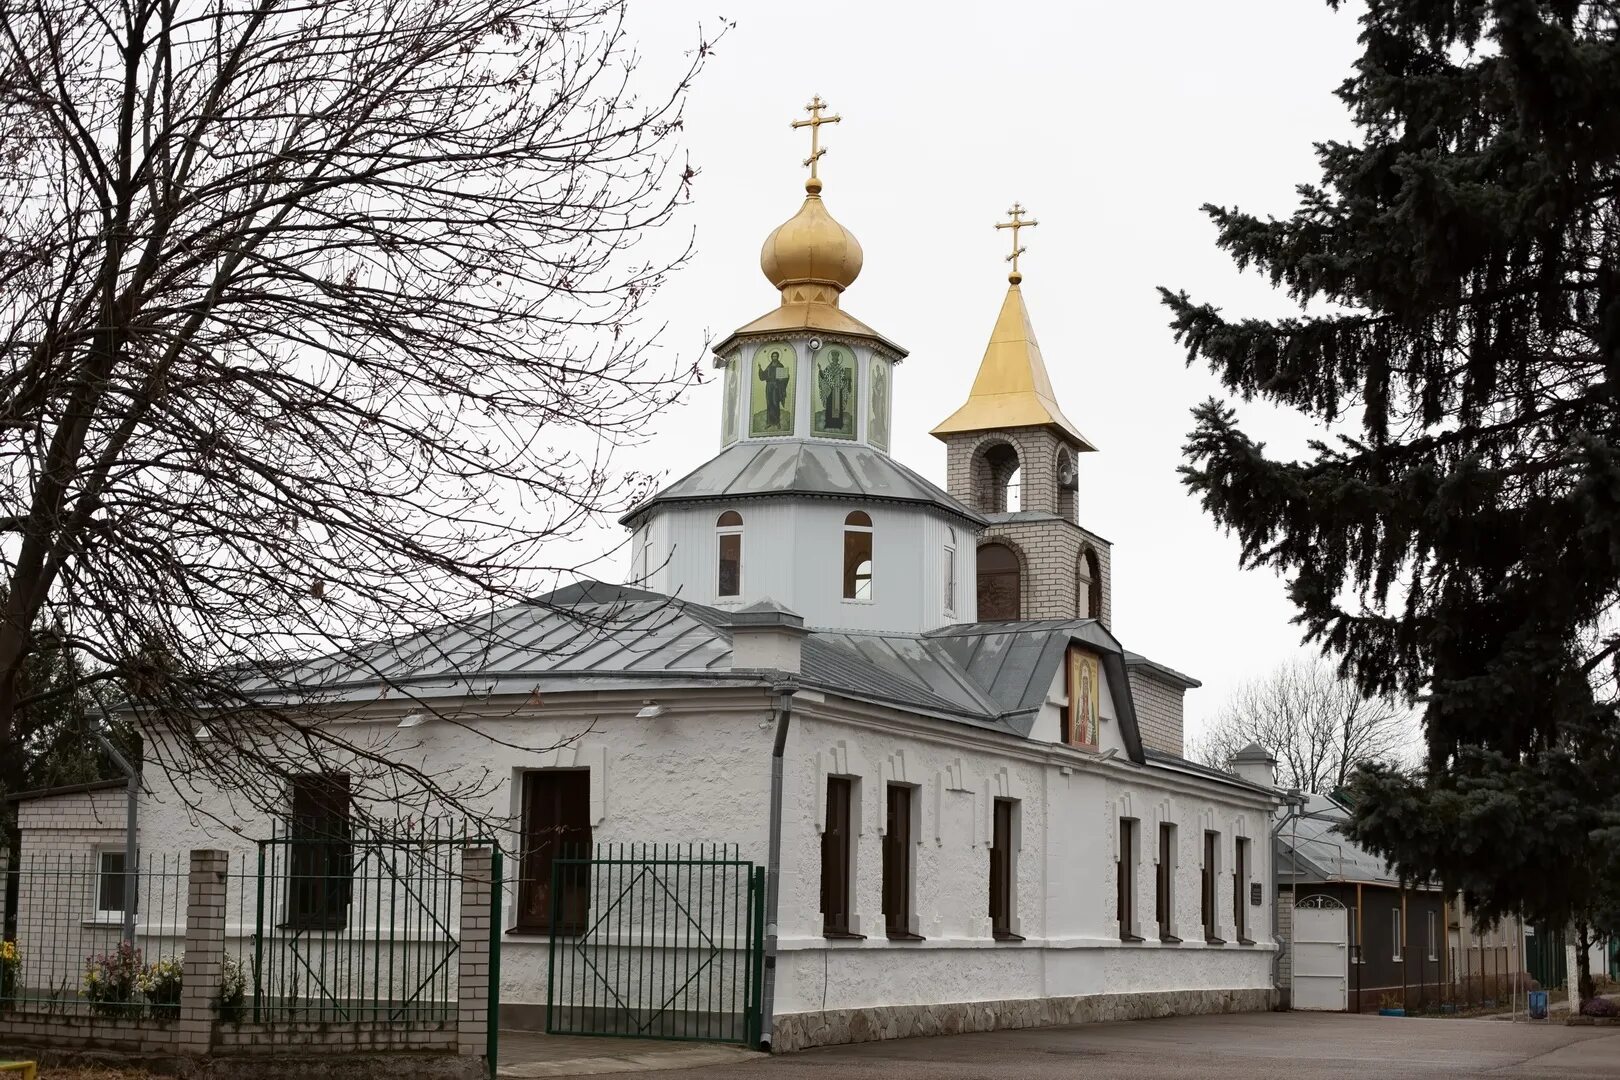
(1016,213)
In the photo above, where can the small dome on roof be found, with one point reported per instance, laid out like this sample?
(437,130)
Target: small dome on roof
(811,248)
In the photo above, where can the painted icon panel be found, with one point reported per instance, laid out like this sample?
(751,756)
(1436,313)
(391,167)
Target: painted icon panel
(877,421)
(833,409)
(728,403)
(771,397)
(1085,696)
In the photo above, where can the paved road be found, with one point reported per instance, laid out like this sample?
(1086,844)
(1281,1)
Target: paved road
(1255,1046)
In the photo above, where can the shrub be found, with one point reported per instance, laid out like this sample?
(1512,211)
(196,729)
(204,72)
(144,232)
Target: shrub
(1599,1006)
(111,980)
(10,973)
(159,984)
(232,1002)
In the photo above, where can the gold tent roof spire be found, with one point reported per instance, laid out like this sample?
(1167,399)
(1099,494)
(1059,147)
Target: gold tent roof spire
(1012,388)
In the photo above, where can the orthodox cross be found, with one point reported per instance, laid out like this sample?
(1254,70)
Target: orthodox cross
(814,124)
(1017,214)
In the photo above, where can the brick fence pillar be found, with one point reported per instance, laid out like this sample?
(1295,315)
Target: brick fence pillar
(205,951)
(472,978)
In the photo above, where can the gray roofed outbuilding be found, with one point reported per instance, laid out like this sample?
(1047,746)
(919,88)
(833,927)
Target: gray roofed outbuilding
(757,468)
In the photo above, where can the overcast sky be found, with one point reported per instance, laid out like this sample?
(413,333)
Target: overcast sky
(1112,123)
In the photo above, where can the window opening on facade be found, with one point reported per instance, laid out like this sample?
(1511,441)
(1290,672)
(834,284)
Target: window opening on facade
(110,882)
(898,898)
(1000,584)
(1395,930)
(320,862)
(1125,880)
(837,859)
(1212,846)
(950,576)
(1164,893)
(728,574)
(1002,879)
(858,556)
(1088,585)
(556,825)
(1240,889)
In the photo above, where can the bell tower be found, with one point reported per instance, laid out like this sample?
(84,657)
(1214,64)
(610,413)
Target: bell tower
(1012,455)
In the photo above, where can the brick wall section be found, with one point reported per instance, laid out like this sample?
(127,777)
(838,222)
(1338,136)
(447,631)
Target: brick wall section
(1285,938)
(1048,540)
(472,980)
(1158,710)
(205,950)
(82,810)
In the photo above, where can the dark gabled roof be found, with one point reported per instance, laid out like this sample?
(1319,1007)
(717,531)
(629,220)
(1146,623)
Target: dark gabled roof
(66,789)
(1160,672)
(1173,761)
(756,468)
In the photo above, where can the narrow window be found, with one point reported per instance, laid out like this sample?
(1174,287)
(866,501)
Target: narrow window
(110,879)
(556,825)
(1434,937)
(1125,878)
(728,579)
(897,883)
(858,556)
(1355,935)
(1212,843)
(1164,892)
(320,858)
(1240,889)
(1395,924)
(1001,872)
(950,577)
(836,855)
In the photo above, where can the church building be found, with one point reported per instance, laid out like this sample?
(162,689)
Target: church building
(904,703)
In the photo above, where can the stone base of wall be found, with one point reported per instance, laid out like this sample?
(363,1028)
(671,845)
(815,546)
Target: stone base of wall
(316,1065)
(798,1031)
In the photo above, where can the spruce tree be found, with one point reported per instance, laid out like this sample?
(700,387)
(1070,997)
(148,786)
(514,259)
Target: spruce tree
(1457,268)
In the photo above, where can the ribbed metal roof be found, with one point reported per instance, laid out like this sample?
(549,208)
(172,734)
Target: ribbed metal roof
(1312,848)
(757,467)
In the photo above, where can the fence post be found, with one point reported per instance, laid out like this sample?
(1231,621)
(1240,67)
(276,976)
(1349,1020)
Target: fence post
(205,950)
(472,980)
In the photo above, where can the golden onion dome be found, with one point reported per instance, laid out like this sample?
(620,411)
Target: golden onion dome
(811,249)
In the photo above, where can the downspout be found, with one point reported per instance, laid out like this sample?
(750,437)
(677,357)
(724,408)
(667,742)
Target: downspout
(1295,803)
(132,789)
(773,860)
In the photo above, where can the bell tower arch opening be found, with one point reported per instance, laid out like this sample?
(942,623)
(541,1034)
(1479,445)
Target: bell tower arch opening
(1001,582)
(996,478)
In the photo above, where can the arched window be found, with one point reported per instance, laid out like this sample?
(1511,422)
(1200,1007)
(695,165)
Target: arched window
(996,479)
(1088,585)
(728,576)
(858,556)
(950,574)
(999,583)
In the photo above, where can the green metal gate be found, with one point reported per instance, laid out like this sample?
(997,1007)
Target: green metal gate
(656,942)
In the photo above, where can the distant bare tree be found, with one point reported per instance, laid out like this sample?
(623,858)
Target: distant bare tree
(315,320)
(1317,726)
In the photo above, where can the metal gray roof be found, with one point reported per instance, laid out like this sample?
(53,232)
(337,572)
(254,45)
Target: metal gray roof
(753,468)
(1312,848)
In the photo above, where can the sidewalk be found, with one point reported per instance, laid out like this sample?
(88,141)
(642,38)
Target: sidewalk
(532,1054)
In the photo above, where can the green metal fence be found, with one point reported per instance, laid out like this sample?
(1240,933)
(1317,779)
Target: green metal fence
(655,941)
(362,925)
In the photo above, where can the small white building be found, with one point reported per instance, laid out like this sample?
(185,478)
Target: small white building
(902,703)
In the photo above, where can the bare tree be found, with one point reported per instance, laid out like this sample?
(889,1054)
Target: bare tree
(317,321)
(1316,724)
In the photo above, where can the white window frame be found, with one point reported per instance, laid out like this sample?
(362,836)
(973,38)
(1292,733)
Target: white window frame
(721,531)
(99,913)
(845,528)
(1434,936)
(1395,915)
(950,576)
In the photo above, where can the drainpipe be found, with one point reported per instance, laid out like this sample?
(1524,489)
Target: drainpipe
(1295,802)
(132,789)
(773,861)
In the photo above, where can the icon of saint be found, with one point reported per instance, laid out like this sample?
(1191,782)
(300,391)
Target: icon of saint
(775,377)
(837,381)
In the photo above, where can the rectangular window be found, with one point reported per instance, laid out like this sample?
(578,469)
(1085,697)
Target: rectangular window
(110,883)
(1434,935)
(897,883)
(320,857)
(1164,899)
(1355,936)
(1240,889)
(730,574)
(837,851)
(1125,880)
(556,825)
(1395,922)
(1212,844)
(950,580)
(1001,872)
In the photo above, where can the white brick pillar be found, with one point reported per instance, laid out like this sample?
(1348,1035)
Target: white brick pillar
(472,978)
(205,951)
